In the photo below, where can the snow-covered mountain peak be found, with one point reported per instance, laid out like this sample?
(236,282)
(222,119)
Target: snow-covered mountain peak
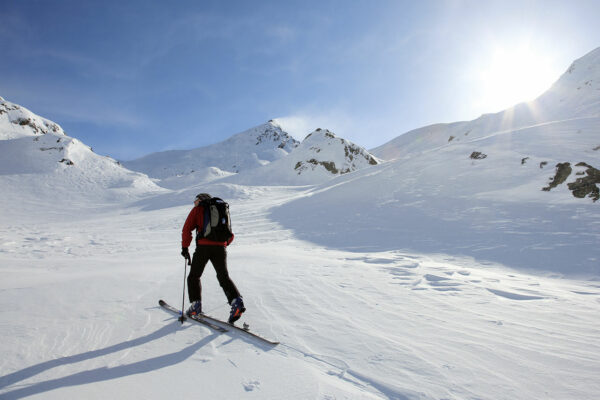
(320,135)
(586,65)
(577,92)
(17,121)
(269,134)
(37,160)
(575,95)
(320,157)
(246,150)
(322,149)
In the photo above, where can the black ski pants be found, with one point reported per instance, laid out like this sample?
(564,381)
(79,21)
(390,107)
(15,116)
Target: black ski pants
(217,255)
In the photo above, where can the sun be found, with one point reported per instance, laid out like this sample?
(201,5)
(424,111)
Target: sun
(513,75)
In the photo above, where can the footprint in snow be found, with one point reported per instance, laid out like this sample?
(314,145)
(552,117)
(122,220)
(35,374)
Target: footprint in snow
(251,385)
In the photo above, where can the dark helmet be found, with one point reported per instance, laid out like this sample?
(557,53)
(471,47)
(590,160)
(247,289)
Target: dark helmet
(203,196)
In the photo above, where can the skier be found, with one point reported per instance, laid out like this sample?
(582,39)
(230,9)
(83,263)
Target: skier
(207,250)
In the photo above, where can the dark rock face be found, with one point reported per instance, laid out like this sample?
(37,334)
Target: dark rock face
(280,138)
(328,165)
(586,186)
(477,155)
(563,170)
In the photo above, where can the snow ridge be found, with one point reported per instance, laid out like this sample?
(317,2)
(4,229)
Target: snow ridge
(43,162)
(320,157)
(250,149)
(576,94)
(323,148)
(17,121)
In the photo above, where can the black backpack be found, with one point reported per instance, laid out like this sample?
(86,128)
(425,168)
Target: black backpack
(217,223)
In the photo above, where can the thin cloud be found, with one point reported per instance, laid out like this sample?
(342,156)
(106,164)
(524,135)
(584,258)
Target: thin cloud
(62,105)
(301,124)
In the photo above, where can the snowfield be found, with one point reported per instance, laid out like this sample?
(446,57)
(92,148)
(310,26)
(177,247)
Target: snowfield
(81,318)
(464,266)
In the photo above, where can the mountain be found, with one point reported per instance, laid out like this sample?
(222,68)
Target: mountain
(39,161)
(323,151)
(250,149)
(522,192)
(320,157)
(575,95)
(557,130)
(446,273)
(17,122)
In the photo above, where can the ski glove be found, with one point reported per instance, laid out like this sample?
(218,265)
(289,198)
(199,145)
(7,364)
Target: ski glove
(186,254)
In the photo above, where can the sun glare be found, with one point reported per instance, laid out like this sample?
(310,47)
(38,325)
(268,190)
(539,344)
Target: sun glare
(511,76)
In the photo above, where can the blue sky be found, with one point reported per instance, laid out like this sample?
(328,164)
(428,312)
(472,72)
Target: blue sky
(134,77)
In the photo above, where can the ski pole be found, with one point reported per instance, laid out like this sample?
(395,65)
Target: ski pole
(183,318)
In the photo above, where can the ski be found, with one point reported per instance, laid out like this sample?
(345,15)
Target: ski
(217,324)
(199,320)
(244,330)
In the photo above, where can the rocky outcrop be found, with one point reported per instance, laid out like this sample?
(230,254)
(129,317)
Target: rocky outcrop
(587,185)
(19,121)
(323,150)
(477,155)
(563,170)
(584,186)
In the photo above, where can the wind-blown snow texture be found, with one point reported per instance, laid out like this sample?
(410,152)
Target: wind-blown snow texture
(446,272)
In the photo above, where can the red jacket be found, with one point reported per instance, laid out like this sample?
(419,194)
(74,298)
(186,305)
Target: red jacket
(196,220)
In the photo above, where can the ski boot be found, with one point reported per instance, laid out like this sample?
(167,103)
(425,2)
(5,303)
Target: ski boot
(195,309)
(237,308)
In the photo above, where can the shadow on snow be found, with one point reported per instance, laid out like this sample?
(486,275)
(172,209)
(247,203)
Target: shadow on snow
(102,373)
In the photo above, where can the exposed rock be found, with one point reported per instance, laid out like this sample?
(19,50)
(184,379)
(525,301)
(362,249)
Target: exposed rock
(524,160)
(543,164)
(66,161)
(328,165)
(323,150)
(586,186)
(477,155)
(563,170)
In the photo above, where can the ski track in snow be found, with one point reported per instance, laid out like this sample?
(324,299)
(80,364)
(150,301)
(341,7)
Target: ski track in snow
(380,325)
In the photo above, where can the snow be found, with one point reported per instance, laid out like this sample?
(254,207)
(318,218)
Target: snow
(17,121)
(434,275)
(249,149)
(575,96)
(321,156)
(492,209)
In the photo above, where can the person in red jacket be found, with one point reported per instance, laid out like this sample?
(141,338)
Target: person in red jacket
(207,250)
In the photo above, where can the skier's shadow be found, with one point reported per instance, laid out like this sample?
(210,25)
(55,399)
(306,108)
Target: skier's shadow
(102,373)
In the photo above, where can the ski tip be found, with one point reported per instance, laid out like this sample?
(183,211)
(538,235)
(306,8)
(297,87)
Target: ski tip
(161,302)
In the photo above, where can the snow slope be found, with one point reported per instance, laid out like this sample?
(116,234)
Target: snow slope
(249,149)
(353,324)
(320,157)
(519,187)
(444,201)
(447,273)
(42,165)
(575,95)
(17,122)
